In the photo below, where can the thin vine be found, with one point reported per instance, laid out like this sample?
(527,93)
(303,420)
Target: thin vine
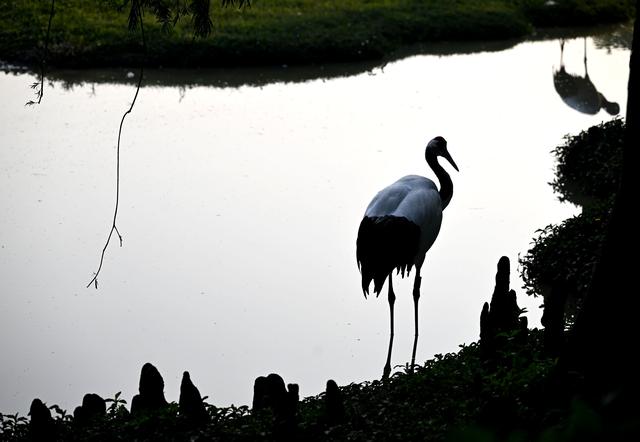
(201,21)
(136,12)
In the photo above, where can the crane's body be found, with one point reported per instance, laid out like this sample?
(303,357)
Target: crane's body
(405,215)
(399,226)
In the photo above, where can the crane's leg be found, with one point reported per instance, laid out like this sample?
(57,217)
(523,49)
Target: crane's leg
(586,72)
(392,300)
(416,298)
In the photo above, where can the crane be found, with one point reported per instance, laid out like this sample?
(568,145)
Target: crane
(399,226)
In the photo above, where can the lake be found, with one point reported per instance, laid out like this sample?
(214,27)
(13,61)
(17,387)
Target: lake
(241,196)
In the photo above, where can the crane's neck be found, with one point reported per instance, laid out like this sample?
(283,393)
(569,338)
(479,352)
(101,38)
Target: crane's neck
(446,185)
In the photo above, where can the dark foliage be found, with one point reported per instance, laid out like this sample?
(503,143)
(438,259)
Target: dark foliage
(562,259)
(169,12)
(448,392)
(565,255)
(589,164)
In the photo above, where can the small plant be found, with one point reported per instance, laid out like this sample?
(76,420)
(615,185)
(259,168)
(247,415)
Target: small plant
(13,426)
(61,415)
(117,406)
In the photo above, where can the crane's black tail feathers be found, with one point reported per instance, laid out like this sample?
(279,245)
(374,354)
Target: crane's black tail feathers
(385,243)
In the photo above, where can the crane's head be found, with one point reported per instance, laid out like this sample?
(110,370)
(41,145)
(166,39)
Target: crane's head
(438,148)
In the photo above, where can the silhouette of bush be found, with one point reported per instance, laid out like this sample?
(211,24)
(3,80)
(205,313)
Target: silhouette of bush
(565,256)
(589,164)
(561,261)
(447,392)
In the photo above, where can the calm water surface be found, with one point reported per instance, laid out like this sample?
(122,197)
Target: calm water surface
(239,211)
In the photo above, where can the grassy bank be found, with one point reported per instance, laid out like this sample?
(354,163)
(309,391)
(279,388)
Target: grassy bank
(94,34)
(453,392)
(455,397)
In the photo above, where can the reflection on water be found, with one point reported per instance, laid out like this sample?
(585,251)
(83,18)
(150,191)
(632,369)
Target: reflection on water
(239,211)
(257,76)
(579,92)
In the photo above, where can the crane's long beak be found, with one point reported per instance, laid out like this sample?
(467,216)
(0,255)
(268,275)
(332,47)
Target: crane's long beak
(447,157)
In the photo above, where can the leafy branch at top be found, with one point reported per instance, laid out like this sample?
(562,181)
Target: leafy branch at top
(138,14)
(169,12)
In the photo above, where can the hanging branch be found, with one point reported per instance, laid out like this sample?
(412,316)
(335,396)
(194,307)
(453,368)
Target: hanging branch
(39,93)
(135,16)
(200,12)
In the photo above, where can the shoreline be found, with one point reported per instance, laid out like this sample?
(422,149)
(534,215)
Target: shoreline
(612,35)
(85,35)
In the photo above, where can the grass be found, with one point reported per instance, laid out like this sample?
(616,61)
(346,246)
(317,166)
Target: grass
(452,392)
(94,34)
(517,396)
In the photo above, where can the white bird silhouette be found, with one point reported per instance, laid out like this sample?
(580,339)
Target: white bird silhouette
(399,226)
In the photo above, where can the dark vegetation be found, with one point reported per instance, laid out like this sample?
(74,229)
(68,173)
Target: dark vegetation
(450,392)
(589,165)
(561,263)
(93,34)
